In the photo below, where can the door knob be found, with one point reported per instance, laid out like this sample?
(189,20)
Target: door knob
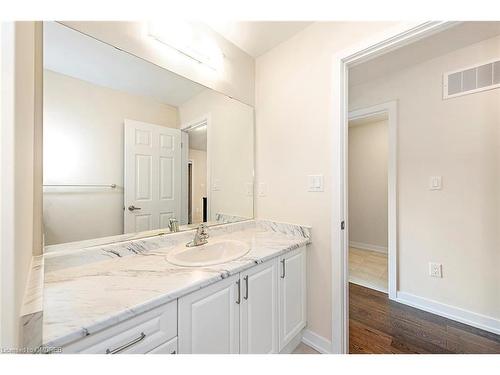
(133,208)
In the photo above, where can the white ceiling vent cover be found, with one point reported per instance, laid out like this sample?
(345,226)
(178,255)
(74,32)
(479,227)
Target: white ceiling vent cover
(471,80)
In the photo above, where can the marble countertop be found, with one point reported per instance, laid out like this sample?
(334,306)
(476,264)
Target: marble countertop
(93,289)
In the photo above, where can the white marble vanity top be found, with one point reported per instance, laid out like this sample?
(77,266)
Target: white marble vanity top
(88,290)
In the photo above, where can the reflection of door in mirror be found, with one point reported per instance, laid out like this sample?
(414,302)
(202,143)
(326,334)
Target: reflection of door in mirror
(152,176)
(196,165)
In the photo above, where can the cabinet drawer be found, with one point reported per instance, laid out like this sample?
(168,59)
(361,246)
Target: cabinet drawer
(167,348)
(140,334)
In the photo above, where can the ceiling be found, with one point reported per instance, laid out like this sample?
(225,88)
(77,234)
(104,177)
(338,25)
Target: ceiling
(69,52)
(256,38)
(454,38)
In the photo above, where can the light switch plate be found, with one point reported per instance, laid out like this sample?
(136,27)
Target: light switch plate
(216,185)
(249,189)
(315,183)
(262,191)
(435,183)
(436,270)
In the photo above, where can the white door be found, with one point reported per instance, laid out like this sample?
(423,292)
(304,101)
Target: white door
(152,176)
(292,295)
(209,319)
(259,309)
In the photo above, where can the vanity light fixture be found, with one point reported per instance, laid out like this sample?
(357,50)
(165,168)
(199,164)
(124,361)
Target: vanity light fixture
(190,39)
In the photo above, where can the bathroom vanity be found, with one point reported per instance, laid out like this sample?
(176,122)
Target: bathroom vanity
(127,297)
(125,195)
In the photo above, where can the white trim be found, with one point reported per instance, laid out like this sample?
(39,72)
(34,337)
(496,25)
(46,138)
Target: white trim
(367,246)
(293,344)
(480,321)
(316,342)
(9,324)
(403,34)
(391,108)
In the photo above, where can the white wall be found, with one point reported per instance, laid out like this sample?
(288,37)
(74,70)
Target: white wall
(294,102)
(83,144)
(458,139)
(230,150)
(236,78)
(18,84)
(199,183)
(368,151)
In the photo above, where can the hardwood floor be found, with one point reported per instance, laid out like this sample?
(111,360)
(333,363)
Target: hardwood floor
(378,325)
(368,268)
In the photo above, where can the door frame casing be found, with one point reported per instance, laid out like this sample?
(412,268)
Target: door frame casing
(399,36)
(391,109)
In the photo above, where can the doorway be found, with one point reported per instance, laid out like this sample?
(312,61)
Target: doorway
(196,156)
(368,232)
(372,198)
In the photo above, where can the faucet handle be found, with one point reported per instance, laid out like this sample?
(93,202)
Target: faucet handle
(173,224)
(203,231)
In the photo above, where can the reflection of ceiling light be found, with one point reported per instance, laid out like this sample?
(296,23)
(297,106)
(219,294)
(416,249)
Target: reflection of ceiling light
(189,39)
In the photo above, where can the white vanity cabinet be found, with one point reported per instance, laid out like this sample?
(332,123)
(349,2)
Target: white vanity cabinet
(292,295)
(143,333)
(209,319)
(259,310)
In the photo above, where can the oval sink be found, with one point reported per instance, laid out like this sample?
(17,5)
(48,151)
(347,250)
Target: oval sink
(214,252)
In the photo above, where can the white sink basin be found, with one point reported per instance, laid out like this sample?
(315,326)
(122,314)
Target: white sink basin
(214,252)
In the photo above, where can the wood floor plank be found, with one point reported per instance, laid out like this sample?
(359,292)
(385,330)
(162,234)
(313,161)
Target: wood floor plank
(378,325)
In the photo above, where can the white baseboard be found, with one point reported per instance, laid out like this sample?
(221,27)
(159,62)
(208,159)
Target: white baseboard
(317,342)
(480,321)
(367,246)
(292,345)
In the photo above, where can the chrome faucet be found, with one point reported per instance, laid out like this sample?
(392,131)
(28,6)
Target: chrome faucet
(200,237)
(173,224)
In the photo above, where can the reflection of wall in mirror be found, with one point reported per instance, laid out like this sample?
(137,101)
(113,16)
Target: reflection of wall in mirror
(199,183)
(231,150)
(83,144)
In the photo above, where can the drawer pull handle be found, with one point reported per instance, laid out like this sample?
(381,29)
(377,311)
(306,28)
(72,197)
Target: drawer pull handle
(127,345)
(239,292)
(283,274)
(246,287)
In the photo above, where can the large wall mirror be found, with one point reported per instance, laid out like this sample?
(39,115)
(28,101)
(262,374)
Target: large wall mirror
(131,149)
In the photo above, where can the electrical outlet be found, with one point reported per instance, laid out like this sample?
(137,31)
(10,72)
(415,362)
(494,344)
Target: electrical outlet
(436,270)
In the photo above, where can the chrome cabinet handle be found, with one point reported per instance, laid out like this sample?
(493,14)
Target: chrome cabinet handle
(126,346)
(133,208)
(239,292)
(283,273)
(246,287)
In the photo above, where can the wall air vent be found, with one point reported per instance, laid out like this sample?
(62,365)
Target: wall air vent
(471,80)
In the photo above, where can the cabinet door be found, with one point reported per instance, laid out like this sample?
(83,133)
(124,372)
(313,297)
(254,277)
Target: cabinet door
(292,295)
(209,319)
(259,309)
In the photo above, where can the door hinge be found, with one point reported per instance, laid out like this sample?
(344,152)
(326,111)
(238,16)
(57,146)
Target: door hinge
(342,225)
